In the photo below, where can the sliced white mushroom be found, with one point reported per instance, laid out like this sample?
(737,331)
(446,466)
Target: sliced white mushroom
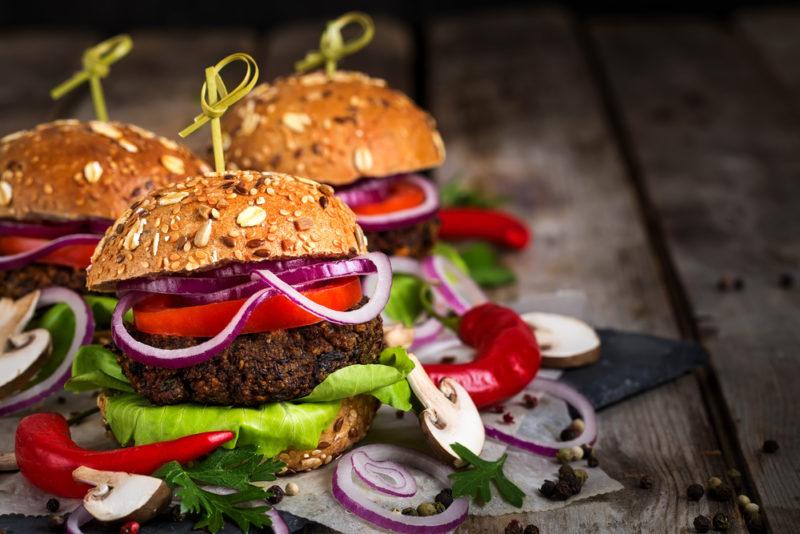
(119,496)
(397,335)
(15,314)
(8,462)
(449,415)
(564,341)
(25,355)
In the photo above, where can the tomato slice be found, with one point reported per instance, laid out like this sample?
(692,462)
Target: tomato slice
(402,196)
(76,256)
(162,314)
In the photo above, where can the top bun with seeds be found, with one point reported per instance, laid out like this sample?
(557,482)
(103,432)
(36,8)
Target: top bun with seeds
(336,128)
(209,220)
(69,170)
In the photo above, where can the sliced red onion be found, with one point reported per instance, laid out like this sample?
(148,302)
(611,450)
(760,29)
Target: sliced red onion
(403,265)
(16,261)
(84,331)
(363,314)
(357,500)
(453,285)
(98,226)
(77,518)
(39,230)
(387,477)
(188,356)
(366,191)
(426,332)
(278,524)
(407,217)
(550,448)
(245,268)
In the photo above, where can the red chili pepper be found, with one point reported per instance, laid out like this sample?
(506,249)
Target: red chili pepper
(478,223)
(47,456)
(507,355)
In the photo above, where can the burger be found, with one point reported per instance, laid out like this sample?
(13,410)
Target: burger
(245,312)
(61,185)
(356,134)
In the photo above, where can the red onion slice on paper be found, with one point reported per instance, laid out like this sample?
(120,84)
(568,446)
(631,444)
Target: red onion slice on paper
(278,524)
(84,331)
(566,393)
(406,217)
(15,261)
(357,500)
(387,477)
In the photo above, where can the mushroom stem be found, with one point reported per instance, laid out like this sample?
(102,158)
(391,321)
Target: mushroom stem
(8,462)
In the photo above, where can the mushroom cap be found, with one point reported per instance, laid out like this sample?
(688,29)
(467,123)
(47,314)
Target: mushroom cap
(334,128)
(68,169)
(564,341)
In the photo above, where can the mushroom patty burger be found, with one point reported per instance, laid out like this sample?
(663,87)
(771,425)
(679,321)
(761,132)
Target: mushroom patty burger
(61,185)
(245,291)
(352,132)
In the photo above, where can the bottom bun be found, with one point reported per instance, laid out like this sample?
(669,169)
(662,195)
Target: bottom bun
(348,428)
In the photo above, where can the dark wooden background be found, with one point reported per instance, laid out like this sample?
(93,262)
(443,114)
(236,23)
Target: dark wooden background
(651,154)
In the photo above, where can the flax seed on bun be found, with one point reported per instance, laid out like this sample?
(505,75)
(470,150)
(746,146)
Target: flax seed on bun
(75,170)
(213,219)
(335,128)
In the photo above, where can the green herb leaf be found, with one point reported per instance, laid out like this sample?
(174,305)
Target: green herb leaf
(235,469)
(475,481)
(484,265)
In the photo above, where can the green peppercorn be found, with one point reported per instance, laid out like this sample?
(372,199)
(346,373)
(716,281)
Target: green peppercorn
(582,475)
(646,482)
(751,508)
(564,455)
(770,446)
(439,507)
(702,523)
(409,511)
(721,522)
(425,509)
(743,500)
(531,529)
(713,482)
(695,492)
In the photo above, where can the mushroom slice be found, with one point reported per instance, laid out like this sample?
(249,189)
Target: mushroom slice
(119,496)
(564,341)
(448,416)
(28,351)
(398,335)
(8,462)
(15,314)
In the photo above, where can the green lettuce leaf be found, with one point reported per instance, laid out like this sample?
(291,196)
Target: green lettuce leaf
(102,308)
(405,301)
(96,367)
(271,428)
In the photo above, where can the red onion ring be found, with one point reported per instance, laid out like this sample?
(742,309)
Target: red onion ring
(366,191)
(404,265)
(454,286)
(22,259)
(377,474)
(278,524)
(77,518)
(356,500)
(551,448)
(189,356)
(363,314)
(40,230)
(426,332)
(405,217)
(84,331)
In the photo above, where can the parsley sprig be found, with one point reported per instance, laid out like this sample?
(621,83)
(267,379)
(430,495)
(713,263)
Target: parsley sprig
(475,481)
(234,469)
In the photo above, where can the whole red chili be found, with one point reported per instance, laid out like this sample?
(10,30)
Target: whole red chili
(47,456)
(507,355)
(478,223)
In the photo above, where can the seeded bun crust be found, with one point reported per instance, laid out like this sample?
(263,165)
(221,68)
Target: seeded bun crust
(74,170)
(335,128)
(348,428)
(213,219)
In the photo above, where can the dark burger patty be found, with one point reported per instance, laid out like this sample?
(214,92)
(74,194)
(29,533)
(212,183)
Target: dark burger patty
(414,241)
(19,282)
(256,368)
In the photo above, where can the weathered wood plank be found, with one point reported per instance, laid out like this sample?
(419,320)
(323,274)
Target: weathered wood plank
(718,148)
(390,54)
(775,32)
(157,86)
(34,62)
(520,116)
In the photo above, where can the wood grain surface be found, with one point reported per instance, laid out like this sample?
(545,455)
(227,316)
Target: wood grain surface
(718,147)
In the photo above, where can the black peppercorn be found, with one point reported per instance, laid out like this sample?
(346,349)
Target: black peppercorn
(569,433)
(770,446)
(275,494)
(56,522)
(409,511)
(721,522)
(565,470)
(592,461)
(177,515)
(702,523)
(695,492)
(786,281)
(531,529)
(646,482)
(563,491)
(547,489)
(513,527)
(445,497)
(53,505)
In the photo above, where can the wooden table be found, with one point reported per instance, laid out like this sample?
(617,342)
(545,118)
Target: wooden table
(650,157)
